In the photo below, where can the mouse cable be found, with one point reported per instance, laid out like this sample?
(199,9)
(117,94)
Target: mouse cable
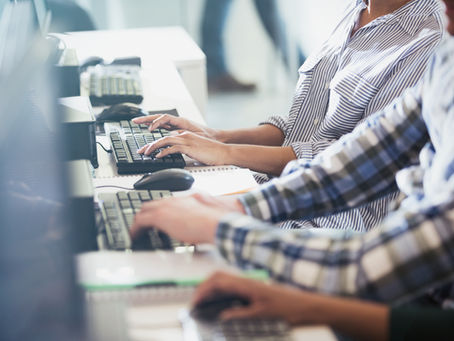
(105,149)
(113,186)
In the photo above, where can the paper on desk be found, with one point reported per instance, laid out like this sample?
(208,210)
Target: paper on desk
(222,180)
(214,180)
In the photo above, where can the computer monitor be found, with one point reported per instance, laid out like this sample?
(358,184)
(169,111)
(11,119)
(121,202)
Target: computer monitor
(39,298)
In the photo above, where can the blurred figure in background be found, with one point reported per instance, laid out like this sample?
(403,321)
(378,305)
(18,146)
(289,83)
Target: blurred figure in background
(67,16)
(214,18)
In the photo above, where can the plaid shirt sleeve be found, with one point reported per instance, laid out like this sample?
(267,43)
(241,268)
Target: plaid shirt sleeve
(405,256)
(357,169)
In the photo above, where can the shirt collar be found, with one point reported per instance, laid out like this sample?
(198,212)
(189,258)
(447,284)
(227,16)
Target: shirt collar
(409,17)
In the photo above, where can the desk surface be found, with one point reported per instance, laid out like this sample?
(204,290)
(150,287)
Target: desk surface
(172,43)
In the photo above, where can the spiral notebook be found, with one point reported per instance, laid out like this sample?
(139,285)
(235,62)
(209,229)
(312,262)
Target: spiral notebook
(214,180)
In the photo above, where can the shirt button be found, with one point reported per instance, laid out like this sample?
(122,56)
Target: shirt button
(327,85)
(316,121)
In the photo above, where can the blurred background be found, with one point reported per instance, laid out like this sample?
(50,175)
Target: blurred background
(250,55)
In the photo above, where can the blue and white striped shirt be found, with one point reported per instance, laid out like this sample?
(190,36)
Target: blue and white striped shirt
(351,77)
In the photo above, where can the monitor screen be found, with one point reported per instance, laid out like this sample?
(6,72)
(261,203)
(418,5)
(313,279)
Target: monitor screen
(39,299)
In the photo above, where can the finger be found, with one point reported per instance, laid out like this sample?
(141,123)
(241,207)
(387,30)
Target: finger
(142,149)
(177,132)
(164,120)
(208,287)
(173,150)
(145,119)
(169,141)
(151,147)
(142,221)
(223,282)
(242,313)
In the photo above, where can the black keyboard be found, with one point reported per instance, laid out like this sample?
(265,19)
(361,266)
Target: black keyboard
(127,137)
(112,84)
(118,211)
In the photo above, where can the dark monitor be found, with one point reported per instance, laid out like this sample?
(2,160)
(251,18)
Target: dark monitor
(39,298)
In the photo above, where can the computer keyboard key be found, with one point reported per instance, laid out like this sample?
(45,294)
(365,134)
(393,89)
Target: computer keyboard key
(144,195)
(125,204)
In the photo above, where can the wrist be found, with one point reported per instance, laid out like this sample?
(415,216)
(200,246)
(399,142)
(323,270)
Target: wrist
(314,311)
(226,156)
(221,135)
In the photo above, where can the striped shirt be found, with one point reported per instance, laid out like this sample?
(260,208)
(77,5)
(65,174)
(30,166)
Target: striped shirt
(412,251)
(350,78)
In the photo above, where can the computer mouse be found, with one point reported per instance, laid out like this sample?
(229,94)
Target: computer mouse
(172,179)
(210,308)
(90,61)
(119,112)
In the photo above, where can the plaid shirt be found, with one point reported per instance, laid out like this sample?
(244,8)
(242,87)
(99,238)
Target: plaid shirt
(412,250)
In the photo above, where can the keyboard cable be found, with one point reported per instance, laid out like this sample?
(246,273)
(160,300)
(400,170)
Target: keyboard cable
(114,186)
(105,149)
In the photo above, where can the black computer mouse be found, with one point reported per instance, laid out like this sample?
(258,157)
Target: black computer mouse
(119,112)
(172,179)
(211,307)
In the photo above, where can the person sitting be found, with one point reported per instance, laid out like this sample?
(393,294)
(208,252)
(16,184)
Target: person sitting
(375,53)
(407,144)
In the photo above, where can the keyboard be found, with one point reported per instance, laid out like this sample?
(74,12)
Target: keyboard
(234,330)
(127,137)
(118,209)
(112,84)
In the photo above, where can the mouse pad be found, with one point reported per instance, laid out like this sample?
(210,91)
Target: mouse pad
(172,112)
(100,125)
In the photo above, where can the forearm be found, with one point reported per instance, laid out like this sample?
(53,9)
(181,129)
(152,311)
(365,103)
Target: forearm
(264,159)
(358,169)
(365,266)
(359,320)
(264,135)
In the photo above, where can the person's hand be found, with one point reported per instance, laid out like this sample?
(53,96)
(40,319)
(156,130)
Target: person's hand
(266,301)
(207,151)
(180,124)
(229,203)
(184,218)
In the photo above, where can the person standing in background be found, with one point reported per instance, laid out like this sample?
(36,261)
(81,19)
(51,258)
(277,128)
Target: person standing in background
(214,17)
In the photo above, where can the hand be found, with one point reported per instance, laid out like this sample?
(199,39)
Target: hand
(171,122)
(266,301)
(184,218)
(207,151)
(230,203)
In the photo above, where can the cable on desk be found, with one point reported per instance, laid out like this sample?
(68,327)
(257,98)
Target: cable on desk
(113,186)
(105,149)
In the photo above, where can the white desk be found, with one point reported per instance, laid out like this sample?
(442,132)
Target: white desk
(166,43)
